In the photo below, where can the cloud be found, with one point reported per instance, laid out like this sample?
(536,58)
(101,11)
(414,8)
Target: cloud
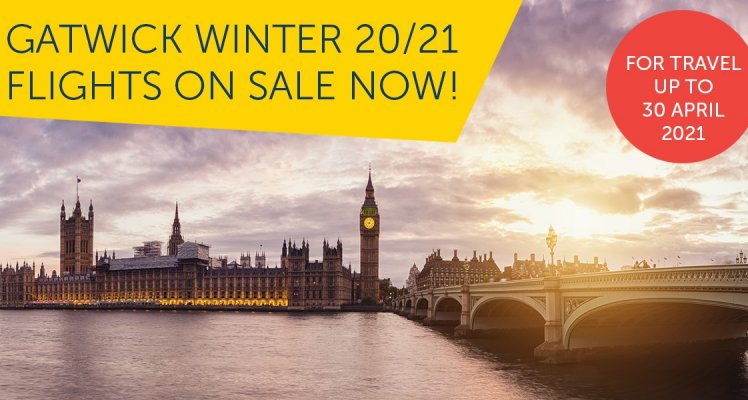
(540,133)
(675,199)
(563,49)
(616,195)
(694,227)
(48,254)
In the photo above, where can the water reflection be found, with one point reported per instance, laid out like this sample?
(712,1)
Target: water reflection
(137,354)
(693,371)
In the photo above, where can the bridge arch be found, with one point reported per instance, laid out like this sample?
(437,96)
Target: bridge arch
(447,309)
(506,312)
(637,318)
(422,307)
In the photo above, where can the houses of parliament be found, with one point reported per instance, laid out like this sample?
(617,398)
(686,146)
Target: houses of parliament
(188,276)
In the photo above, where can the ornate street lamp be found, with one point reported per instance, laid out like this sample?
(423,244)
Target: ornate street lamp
(741,258)
(551,241)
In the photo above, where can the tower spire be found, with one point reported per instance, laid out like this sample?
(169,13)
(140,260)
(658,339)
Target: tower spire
(369,185)
(176,225)
(176,233)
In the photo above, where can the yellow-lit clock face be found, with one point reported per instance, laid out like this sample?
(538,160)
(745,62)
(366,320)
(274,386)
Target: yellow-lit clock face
(369,222)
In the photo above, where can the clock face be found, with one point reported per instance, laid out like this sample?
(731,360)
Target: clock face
(369,222)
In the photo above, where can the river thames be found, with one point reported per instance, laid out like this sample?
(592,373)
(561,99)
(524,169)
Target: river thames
(232,355)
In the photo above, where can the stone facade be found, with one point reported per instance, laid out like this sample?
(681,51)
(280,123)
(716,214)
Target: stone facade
(369,219)
(76,241)
(438,272)
(316,285)
(187,279)
(527,269)
(182,280)
(69,289)
(534,268)
(578,267)
(17,284)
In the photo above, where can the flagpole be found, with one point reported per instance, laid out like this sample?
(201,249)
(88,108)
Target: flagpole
(77,182)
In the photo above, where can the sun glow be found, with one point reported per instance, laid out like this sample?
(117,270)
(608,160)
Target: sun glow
(568,218)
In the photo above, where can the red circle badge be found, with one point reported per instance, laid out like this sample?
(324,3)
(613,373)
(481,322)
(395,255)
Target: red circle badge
(677,86)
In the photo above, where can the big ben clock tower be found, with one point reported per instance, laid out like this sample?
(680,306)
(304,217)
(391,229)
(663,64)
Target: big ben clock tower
(369,227)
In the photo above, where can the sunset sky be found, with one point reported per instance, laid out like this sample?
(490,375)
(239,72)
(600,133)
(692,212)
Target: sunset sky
(540,148)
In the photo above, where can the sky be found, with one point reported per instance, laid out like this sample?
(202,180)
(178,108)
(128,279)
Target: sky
(538,149)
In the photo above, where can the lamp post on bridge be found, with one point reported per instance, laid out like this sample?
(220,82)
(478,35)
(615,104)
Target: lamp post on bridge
(741,258)
(551,241)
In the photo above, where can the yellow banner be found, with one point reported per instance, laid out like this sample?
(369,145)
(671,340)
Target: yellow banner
(390,69)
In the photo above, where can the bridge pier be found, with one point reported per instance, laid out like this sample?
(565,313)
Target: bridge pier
(429,320)
(411,312)
(464,329)
(552,349)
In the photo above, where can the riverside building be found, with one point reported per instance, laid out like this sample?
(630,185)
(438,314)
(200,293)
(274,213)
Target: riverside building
(188,276)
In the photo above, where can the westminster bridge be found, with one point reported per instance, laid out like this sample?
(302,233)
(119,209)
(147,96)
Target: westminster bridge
(579,314)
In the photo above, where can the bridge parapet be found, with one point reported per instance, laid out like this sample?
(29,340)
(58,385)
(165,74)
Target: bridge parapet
(524,284)
(733,278)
